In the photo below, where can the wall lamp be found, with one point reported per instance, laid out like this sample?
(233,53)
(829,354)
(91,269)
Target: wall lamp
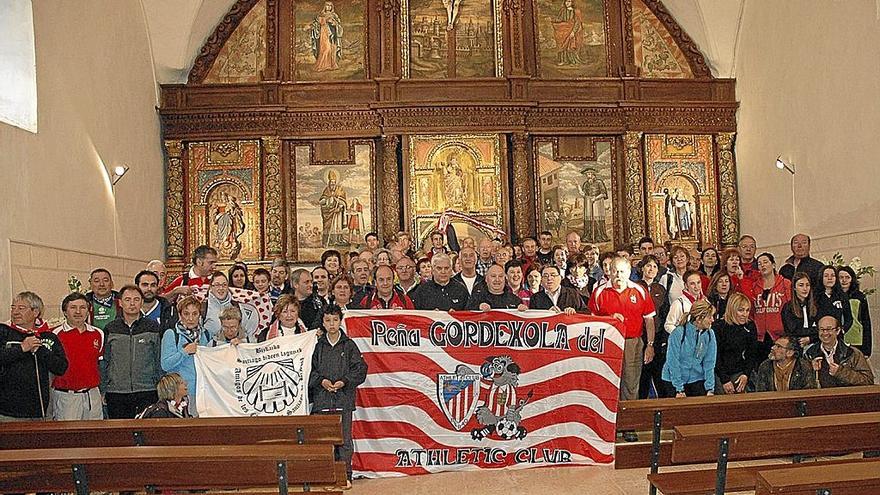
(118,172)
(781,165)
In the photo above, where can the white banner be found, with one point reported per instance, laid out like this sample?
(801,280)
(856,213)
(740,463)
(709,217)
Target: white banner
(266,379)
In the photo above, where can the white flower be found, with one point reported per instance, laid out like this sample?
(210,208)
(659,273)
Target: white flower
(856,263)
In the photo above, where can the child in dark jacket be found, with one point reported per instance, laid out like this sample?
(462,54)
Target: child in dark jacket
(337,370)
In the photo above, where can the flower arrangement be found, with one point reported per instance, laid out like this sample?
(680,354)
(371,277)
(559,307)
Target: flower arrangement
(837,260)
(75,285)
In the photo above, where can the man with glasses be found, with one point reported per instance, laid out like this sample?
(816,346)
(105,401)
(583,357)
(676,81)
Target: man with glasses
(554,296)
(406,275)
(835,363)
(784,369)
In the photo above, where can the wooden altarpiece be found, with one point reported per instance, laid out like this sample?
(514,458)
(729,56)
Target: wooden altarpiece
(282,100)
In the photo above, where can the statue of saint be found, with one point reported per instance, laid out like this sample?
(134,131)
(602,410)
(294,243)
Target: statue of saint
(595,194)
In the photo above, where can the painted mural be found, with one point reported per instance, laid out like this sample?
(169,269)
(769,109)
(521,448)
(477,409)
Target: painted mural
(461,173)
(224,198)
(329,39)
(334,200)
(243,56)
(571,38)
(656,52)
(576,193)
(451,38)
(682,189)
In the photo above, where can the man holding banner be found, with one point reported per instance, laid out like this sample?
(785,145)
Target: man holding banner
(632,305)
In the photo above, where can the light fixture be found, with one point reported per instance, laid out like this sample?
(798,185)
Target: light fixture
(781,165)
(118,172)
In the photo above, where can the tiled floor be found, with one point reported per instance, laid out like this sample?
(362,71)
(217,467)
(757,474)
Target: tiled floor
(586,480)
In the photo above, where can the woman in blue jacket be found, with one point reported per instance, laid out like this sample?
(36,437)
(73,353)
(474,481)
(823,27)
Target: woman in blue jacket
(179,345)
(691,353)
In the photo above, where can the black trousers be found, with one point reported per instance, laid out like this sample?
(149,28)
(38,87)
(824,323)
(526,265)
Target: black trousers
(695,389)
(127,406)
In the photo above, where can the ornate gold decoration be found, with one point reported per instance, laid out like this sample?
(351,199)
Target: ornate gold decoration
(523,200)
(689,49)
(460,172)
(635,186)
(174,201)
(728,193)
(273,194)
(390,186)
(218,38)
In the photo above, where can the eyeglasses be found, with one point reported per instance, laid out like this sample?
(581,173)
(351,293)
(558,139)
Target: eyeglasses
(783,347)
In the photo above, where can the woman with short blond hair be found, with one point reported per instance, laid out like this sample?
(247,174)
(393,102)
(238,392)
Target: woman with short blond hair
(173,400)
(738,354)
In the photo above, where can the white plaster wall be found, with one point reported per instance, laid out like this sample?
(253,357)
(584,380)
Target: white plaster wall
(808,82)
(96,105)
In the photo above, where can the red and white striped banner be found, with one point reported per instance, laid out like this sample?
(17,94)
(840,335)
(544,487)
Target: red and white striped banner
(471,390)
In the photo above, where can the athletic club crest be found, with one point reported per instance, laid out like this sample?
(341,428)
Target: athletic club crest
(497,412)
(273,387)
(457,394)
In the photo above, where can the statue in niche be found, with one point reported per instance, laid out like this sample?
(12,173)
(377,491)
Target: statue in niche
(568,27)
(595,194)
(454,183)
(333,204)
(326,39)
(679,214)
(229,222)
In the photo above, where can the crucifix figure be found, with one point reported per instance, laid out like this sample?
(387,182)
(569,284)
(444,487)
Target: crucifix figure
(452,8)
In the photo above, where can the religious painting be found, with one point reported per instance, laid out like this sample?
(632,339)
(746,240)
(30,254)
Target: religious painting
(451,38)
(329,39)
(243,56)
(682,189)
(575,189)
(334,199)
(656,51)
(457,174)
(572,38)
(224,198)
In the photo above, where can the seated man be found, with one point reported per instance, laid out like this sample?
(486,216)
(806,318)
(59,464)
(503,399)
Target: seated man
(494,294)
(836,363)
(784,369)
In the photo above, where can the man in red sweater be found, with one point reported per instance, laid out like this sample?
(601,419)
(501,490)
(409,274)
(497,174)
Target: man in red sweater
(204,260)
(75,394)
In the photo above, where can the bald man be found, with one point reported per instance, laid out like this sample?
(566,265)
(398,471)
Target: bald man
(835,363)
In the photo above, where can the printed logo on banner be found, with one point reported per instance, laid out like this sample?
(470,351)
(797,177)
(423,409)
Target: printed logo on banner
(499,412)
(458,393)
(271,387)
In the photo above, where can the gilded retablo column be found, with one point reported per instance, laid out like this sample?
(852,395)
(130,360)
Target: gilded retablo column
(523,202)
(174,225)
(728,194)
(390,186)
(273,192)
(635,186)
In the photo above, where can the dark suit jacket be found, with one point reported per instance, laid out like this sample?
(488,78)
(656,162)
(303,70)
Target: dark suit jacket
(568,298)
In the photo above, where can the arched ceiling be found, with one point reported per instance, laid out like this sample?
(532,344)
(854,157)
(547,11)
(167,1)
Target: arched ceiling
(178,28)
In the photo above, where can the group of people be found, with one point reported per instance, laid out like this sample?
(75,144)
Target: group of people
(699,323)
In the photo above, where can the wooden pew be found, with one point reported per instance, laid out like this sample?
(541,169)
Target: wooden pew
(658,414)
(80,470)
(854,478)
(319,429)
(723,442)
(702,482)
